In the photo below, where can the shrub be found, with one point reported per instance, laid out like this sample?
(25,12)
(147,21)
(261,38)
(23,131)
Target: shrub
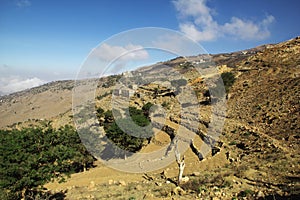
(228,80)
(100,112)
(165,104)
(103,95)
(245,193)
(146,108)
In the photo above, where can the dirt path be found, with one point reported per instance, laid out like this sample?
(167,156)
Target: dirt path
(100,174)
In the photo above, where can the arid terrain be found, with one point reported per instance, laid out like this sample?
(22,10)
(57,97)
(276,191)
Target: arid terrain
(255,156)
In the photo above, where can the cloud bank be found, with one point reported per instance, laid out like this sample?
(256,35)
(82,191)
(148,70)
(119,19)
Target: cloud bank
(108,52)
(13,84)
(197,22)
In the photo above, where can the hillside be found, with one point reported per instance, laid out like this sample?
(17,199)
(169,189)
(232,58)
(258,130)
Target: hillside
(255,157)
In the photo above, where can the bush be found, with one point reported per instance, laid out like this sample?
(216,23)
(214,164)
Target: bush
(217,91)
(100,112)
(103,95)
(245,193)
(228,80)
(165,104)
(146,109)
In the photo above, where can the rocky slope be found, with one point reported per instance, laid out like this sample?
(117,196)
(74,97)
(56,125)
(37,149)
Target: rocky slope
(257,152)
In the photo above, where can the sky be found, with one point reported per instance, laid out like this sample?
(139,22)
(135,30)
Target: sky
(47,40)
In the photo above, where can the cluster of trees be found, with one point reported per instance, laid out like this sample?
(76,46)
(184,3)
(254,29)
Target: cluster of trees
(31,157)
(126,139)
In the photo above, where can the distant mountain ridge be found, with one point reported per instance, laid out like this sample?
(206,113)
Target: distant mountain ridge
(217,58)
(230,60)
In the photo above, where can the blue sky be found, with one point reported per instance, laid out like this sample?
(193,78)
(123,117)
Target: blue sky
(46,40)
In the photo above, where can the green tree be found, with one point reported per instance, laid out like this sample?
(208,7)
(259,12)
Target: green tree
(124,139)
(32,156)
(228,80)
(146,109)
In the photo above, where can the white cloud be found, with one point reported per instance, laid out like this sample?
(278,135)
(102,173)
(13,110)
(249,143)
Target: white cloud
(118,58)
(193,32)
(248,30)
(129,52)
(196,9)
(16,83)
(177,44)
(169,42)
(197,22)
(23,3)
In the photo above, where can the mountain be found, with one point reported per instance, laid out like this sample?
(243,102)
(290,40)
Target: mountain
(256,155)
